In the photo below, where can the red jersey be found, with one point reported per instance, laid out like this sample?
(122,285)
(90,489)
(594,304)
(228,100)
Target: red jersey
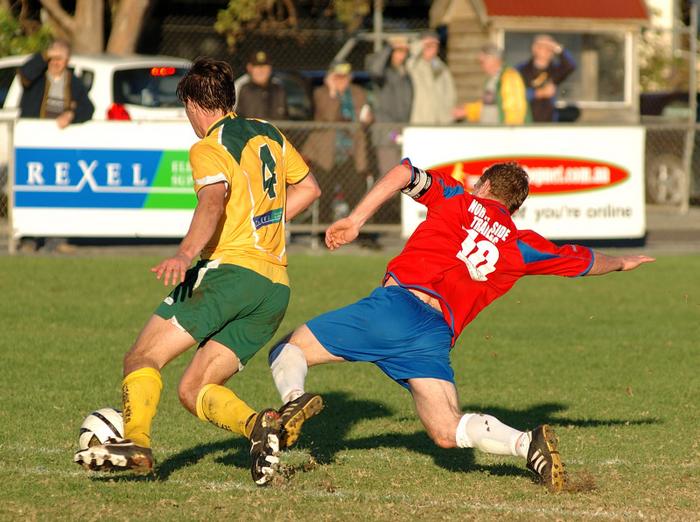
(468,252)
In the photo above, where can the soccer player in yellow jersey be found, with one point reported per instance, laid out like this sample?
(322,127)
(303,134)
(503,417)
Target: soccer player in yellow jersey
(249,179)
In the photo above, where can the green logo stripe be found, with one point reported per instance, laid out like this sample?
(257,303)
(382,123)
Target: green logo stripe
(172,185)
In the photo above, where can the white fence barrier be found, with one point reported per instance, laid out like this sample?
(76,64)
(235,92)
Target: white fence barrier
(585,182)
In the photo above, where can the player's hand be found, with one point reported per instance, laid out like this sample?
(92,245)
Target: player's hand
(173,269)
(341,232)
(632,262)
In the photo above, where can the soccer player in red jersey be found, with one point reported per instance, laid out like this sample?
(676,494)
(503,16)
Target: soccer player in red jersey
(467,253)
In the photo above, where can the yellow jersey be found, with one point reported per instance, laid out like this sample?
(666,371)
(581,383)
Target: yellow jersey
(256,162)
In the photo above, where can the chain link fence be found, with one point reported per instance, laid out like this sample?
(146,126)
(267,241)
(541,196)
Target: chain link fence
(347,159)
(667,179)
(310,47)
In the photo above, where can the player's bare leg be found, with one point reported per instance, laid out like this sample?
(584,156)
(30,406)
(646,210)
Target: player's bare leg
(159,342)
(437,405)
(213,363)
(202,393)
(289,361)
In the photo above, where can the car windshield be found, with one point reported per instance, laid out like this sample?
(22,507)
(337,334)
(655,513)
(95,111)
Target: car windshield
(148,86)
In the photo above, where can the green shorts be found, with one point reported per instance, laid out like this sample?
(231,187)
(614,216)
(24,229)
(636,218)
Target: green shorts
(235,306)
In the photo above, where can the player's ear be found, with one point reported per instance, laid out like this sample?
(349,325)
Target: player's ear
(481,188)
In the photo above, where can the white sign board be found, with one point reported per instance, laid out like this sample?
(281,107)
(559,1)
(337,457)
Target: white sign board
(585,182)
(103,179)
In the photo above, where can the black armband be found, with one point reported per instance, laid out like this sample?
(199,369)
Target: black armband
(419,184)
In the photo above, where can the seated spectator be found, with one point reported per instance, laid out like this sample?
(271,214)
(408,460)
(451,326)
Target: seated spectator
(503,100)
(262,96)
(394,99)
(339,156)
(549,66)
(433,86)
(50,90)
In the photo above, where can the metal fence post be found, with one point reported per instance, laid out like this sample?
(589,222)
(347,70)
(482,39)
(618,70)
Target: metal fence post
(8,119)
(10,185)
(693,106)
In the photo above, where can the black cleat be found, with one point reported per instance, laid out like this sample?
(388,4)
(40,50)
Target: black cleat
(265,446)
(294,414)
(116,455)
(543,458)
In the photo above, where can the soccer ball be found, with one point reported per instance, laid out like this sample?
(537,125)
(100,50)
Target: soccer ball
(99,426)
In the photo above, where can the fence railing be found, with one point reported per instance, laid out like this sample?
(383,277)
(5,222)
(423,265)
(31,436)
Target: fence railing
(347,158)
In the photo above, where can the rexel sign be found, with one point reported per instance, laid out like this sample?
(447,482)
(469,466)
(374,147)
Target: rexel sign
(102,179)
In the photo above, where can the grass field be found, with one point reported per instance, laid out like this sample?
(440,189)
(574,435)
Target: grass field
(611,362)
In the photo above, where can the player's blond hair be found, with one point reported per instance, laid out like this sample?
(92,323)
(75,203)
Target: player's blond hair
(509,183)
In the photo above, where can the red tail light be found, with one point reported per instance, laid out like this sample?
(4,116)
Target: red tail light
(117,111)
(162,71)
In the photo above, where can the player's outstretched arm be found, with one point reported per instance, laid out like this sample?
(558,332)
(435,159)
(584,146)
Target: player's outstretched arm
(301,195)
(347,229)
(210,207)
(604,264)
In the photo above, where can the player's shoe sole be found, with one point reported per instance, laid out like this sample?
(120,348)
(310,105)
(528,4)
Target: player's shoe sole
(265,446)
(544,460)
(115,456)
(294,414)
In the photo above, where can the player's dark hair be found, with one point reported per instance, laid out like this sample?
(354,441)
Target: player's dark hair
(209,84)
(509,183)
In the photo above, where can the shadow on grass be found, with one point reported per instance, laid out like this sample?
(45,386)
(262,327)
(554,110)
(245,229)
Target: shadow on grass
(327,435)
(239,458)
(549,413)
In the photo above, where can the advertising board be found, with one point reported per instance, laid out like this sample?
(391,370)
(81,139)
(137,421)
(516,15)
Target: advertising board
(103,179)
(585,182)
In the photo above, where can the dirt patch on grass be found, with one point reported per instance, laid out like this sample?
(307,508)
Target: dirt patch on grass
(580,482)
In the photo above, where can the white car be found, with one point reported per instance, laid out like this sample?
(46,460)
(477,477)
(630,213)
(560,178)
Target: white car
(137,87)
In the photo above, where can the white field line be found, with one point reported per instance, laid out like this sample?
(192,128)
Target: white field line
(365,496)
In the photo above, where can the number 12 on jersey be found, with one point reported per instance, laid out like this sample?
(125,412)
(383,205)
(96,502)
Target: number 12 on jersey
(479,256)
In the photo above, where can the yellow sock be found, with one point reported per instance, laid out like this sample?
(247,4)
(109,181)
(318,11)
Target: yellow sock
(140,396)
(223,408)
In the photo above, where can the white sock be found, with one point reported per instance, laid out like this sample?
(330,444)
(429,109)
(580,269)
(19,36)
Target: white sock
(289,372)
(487,433)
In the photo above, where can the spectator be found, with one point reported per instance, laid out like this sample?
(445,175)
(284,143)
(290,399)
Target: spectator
(335,153)
(51,90)
(503,99)
(542,75)
(394,100)
(433,86)
(262,97)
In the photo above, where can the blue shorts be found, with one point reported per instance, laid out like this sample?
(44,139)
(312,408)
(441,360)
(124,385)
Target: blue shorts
(393,329)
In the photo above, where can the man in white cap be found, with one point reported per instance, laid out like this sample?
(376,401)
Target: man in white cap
(434,93)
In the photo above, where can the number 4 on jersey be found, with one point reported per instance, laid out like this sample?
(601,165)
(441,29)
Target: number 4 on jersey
(269,176)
